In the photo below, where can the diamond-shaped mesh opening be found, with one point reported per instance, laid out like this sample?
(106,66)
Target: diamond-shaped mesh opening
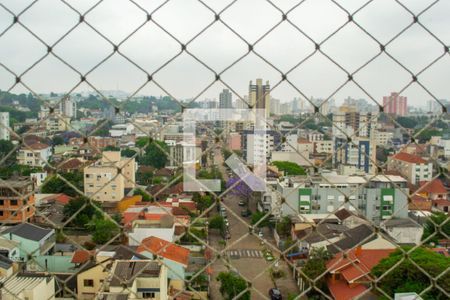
(318,166)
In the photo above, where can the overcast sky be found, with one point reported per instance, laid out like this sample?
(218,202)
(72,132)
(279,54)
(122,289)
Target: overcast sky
(218,47)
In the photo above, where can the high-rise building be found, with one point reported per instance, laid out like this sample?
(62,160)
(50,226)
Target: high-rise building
(68,107)
(225,99)
(4,126)
(354,139)
(275,107)
(395,104)
(259,95)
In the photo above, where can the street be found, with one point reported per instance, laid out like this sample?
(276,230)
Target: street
(244,252)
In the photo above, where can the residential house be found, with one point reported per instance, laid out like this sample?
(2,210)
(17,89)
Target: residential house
(175,257)
(17,201)
(29,286)
(9,249)
(93,273)
(33,240)
(7,267)
(34,155)
(352,238)
(403,230)
(144,279)
(414,168)
(349,277)
(163,228)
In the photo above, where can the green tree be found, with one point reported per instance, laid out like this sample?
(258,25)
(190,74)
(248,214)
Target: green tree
(289,168)
(203,201)
(406,277)
(232,285)
(6,147)
(127,152)
(284,226)
(314,267)
(104,231)
(217,222)
(57,140)
(111,148)
(430,227)
(258,216)
(56,185)
(83,210)
(154,156)
(142,142)
(145,196)
(407,122)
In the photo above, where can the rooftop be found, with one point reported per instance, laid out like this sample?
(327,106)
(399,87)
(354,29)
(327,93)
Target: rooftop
(126,271)
(411,158)
(433,187)
(28,231)
(165,249)
(17,284)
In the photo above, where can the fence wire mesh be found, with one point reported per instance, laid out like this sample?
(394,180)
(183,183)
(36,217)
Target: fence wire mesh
(144,243)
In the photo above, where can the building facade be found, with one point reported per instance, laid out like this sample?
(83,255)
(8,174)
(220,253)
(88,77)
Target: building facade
(395,104)
(4,126)
(16,208)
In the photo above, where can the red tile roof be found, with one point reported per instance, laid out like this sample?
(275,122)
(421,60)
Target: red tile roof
(441,202)
(165,249)
(38,146)
(419,203)
(411,158)
(340,290)
(81,256)
(70,164)
(433,187)
(356,265)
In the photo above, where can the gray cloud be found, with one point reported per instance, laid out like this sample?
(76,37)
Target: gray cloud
(150,47)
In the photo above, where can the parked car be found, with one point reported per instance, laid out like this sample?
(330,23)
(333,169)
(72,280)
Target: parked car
(245,213)
(241,203)
(275,294)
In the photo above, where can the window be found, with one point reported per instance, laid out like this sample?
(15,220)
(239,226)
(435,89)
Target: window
(1,213)
(148,295)
(88,282)
(13,202)
(2,202)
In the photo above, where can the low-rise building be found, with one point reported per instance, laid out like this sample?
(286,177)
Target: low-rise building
(144,279)
(29,286)
(34,155)
(414,168)
(403,231)
(375,197)
(17,203)
(33,240)
(107,179)
(175,257)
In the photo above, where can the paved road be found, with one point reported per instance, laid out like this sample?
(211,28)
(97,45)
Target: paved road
(244,252)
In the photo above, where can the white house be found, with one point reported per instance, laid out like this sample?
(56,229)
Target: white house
(34,155)
(403,231)
(119,130)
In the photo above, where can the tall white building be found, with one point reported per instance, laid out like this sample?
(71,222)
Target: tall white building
(68,107)
(4,121)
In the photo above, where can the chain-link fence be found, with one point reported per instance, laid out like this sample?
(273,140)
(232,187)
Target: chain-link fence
(92,201)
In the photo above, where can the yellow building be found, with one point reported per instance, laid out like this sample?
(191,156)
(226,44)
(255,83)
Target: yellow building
(106,180)
(91,278)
